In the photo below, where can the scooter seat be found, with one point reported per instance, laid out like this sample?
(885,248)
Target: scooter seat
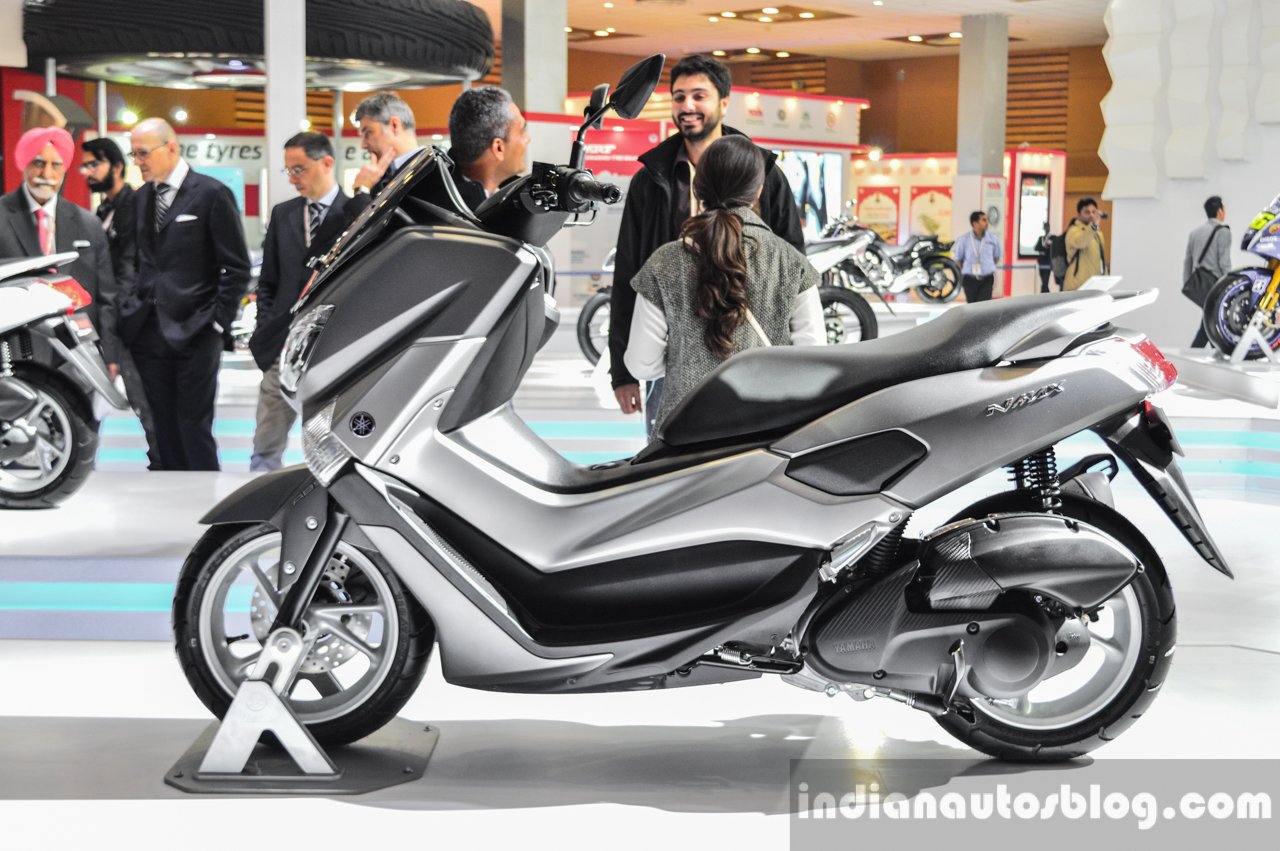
(771,391)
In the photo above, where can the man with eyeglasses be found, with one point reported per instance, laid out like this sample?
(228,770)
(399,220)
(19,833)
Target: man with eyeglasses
(300,228)
(40,223)
(193,269)
(102,165)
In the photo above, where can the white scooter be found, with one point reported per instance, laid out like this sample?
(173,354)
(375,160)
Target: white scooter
(50,370)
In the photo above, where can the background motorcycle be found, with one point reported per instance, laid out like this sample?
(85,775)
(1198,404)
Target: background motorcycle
(920,265)
(847,316)
(1250,295)
(50,369)
(760,533)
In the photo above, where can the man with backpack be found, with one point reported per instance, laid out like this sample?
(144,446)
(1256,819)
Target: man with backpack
(1086,249)
(1208,249)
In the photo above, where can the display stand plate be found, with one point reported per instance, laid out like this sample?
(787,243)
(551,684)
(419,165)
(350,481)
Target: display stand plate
(398,753)
(1257,382)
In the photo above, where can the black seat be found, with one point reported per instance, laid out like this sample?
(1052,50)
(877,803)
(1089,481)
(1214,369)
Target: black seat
(895,250)
(770,391)
(825,242)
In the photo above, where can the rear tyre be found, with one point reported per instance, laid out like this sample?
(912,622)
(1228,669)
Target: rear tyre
(47,455)
(1227,311)
(367,640)
(944,281)
(1135,637)
(593,326)
(847,316)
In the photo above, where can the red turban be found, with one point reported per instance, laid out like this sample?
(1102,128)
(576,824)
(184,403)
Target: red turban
(34,140)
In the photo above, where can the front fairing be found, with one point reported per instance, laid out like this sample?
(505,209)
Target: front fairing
(1263,236)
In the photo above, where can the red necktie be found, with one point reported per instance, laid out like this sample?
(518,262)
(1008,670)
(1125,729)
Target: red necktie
(42,229)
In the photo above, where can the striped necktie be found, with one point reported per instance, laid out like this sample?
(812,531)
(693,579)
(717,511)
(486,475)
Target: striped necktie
(315,214)
(162,203)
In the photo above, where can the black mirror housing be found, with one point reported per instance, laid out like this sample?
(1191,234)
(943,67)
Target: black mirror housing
(636,86)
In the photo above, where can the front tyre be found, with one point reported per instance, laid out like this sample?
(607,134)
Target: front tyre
(847,316)
(367,641)
(46,454)
(1227,310)
(1131,648)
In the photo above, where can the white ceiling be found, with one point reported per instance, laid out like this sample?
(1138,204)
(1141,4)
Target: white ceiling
(675,28)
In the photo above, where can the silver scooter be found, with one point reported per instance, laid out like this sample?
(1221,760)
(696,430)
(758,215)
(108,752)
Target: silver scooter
(50,372)
(761,533)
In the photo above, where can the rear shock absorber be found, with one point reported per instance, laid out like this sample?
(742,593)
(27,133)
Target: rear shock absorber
(1037,474)
(6,359)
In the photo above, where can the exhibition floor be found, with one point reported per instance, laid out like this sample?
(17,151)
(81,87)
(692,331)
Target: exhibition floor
(94,708)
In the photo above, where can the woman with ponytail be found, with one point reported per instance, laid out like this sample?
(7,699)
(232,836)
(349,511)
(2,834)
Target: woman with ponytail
(727,285)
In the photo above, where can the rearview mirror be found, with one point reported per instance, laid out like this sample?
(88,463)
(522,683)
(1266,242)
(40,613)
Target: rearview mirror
(596,108)
(636,85)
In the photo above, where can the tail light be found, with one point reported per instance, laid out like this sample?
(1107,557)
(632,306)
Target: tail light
(1159,370)
(71,288)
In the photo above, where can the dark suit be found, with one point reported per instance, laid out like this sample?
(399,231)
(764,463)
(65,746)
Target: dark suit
(75,229)
(192,273)
(285,272)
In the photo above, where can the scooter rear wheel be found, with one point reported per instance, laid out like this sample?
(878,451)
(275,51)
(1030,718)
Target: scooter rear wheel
(367,641)
(1134,637)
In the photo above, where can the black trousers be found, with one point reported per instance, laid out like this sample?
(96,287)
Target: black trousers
(1044,281)
(977,287)
(181,386)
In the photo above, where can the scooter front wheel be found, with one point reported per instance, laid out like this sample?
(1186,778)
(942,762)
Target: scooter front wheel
(46,453)
(367,640)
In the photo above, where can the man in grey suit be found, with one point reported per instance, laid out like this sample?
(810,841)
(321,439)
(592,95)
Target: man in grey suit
(300,228)
(35,221)
(1208,246)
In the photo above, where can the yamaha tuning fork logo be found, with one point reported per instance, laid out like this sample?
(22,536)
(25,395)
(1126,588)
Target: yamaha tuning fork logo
(362,424)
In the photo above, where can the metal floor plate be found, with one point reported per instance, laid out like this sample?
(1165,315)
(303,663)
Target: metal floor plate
(398,753)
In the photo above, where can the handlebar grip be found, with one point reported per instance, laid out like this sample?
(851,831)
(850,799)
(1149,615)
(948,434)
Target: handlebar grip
(584,189)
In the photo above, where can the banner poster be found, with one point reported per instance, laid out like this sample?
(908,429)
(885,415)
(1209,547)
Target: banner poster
(878,210)
(931,211)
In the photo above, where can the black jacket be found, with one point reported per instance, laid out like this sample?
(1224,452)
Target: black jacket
(75,229)
(194,272)
(121,236)
(646,224)
(284,270)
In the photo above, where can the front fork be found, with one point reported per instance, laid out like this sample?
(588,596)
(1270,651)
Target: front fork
(310,529)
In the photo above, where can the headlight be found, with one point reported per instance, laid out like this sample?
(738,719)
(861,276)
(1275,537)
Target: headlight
(298,346)
(324,453)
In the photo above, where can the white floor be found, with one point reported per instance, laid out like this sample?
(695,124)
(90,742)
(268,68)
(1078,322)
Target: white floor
(88,728)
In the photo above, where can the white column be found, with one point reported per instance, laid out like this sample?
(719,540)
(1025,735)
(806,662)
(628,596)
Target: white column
(285,38)
(535,54)
(984,82)
(13,50)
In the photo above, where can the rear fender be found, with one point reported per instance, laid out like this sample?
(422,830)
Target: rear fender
(1145,442)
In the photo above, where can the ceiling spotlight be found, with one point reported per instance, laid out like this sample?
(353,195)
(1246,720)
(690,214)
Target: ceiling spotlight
(806,15)
(179,114)
(210,136)
(608,5)
(956,35)
(602,33)
(770,10)
(128,117)
(728,14)
(717,53)
(304,124)
(713,19)
(611,30)
(782,54)
(915,38)
(875,154)
(753,50)
(765,19)
(436,137)
(568,29)
(877,2)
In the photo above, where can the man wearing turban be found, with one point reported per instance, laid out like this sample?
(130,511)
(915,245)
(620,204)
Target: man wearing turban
(34,222)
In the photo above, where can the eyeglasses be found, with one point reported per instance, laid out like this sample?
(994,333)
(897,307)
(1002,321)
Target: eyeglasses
(41,164)
(142,153)
(295,171)
(92,166)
